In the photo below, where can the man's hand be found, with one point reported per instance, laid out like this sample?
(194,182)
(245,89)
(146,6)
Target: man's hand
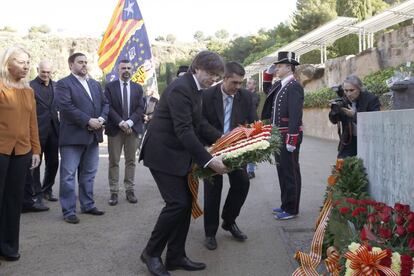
(35,161)
(146,118)
(290,148)
(94,124)
(348,112)
(125,127)
(217,165)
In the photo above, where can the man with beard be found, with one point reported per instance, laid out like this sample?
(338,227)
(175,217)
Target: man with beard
(83,111)
(124,124)
(170,146)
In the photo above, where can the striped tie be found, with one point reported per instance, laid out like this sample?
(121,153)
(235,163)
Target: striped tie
(227,113)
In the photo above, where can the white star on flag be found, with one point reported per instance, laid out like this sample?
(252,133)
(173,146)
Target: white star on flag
(129,8)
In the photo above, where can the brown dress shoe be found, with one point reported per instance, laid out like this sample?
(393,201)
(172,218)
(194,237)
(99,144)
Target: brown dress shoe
(131,197)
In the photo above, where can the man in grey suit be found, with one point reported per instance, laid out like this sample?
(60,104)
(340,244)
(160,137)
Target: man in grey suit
(83,111)
(126,107)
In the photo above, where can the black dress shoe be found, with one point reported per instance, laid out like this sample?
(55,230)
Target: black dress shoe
(235,231)
(71,219)
(50,197)
(94,211)
(210,243)
(184,263)
(154,264)
(36,207)
(131,197)
(113,200)
(11,258)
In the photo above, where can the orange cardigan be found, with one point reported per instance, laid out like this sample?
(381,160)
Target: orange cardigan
(18,121)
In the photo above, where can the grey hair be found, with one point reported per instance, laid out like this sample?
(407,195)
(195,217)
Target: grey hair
(355,81)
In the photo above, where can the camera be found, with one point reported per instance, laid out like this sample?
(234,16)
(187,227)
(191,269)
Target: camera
(341,101)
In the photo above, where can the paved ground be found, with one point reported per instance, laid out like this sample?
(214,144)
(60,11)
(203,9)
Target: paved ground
(111,244)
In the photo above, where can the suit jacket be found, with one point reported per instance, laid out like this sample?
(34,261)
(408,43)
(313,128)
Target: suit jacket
(287,114)
(77,108)
(47,118)
(136,106)
(172,140)
(243,109)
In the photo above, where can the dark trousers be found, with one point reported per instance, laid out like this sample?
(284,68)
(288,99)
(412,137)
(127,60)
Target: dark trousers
(239,188)
(33,187)
(12,178)
(290,180)
(174,220)
(349,149)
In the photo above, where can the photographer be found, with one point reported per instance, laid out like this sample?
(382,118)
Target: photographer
(354,98)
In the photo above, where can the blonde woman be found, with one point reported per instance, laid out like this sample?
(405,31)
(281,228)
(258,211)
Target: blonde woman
(19,144)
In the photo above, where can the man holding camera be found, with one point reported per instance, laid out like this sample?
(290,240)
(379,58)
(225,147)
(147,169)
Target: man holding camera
(353,98)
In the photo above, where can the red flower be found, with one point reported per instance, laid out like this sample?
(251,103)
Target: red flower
(410,217)
(400,230)
(399,220)
(411,244)
(344,210)
(352,200)
(372,218)
(363,234)
(387,260)
(410,227)
(355,213)
(385,233)
(385,217)
(406,265)
(398,207)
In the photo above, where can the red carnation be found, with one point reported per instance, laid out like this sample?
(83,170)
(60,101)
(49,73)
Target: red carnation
(385,233)
(344,210)
(406,265)
(410,227)
(352,200)
(400,230)
(371,218)
(355,213)
(399,220)
(399,207)
(385,217)
(410,217)
(411,244)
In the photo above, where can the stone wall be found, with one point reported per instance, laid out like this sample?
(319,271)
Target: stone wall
(393,48)
(317,124)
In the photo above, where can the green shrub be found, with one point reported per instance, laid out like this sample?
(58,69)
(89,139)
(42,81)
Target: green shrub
(319,98)
(375,83)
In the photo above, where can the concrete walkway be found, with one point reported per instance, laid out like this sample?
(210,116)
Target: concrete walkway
(112,244)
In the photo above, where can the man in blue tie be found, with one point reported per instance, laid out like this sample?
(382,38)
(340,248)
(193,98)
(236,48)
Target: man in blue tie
(83,111)
(225,106)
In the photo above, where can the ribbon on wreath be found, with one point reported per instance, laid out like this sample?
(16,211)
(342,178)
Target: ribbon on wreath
(309,262)
(332,261)
(196,210)
(365,262)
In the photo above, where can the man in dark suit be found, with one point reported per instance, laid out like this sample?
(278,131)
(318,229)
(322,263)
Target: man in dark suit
(284,107)
(48,125)
(225,106)
(83,110)
(124,124)
(170,146)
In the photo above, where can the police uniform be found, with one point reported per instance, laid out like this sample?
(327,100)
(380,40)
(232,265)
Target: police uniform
(284,107)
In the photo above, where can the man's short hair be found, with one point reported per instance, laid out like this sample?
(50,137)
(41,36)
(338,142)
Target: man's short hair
(208,61)
(73,56)
(233,67)
(124,61)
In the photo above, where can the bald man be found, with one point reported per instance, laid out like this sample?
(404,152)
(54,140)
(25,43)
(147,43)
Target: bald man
(48,125)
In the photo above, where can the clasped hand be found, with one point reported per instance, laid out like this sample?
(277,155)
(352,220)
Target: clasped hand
(125,127)
(94,124)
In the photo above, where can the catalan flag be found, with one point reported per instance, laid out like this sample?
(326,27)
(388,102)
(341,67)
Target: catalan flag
(126,38)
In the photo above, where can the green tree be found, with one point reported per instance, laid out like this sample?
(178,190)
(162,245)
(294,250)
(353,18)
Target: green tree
(44,29)
(7,29)
(222,34)
(199,36)
(160,38)
(360,9)
(170,38)
(311,14)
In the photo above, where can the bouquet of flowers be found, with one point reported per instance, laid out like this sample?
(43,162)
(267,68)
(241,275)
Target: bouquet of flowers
(253,143)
